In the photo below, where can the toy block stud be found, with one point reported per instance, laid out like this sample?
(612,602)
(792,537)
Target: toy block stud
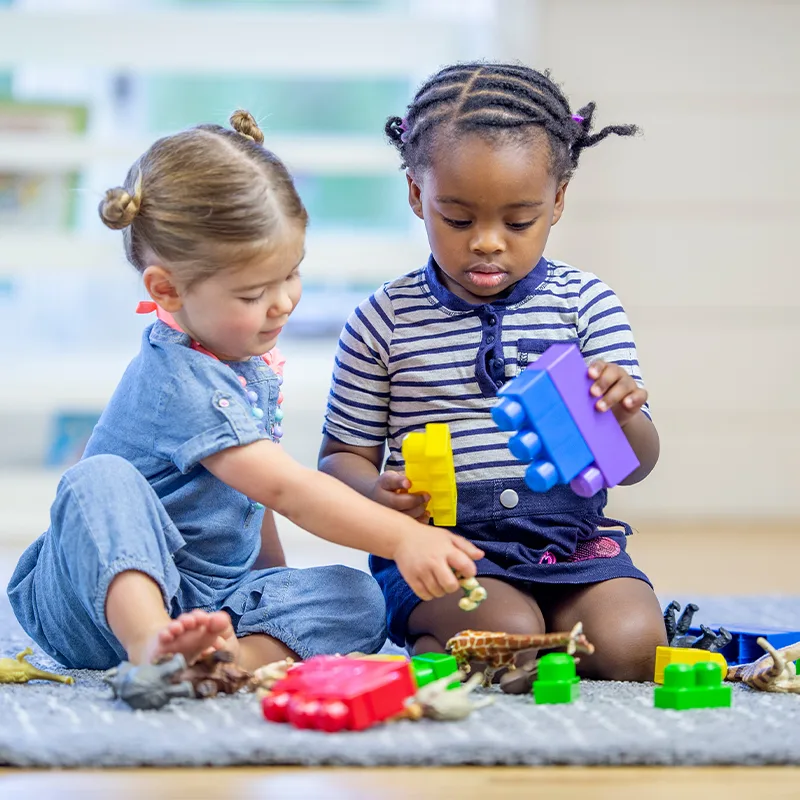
(430,667)
(556,679)
(429,466)
(689,686)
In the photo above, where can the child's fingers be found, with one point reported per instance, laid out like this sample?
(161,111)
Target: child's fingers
(462,564)
(596,368)
(394,481)
(607,378)
(409,503)
(419,589)
(635,400)
(616,394)
(445,578)
(466,546)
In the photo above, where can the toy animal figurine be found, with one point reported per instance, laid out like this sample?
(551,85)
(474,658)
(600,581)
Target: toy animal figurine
(267,676)
(20,670)
(216,673)
(775,671)
(149,686)
(436,701)
(497,650)
(474,594)
(677,630)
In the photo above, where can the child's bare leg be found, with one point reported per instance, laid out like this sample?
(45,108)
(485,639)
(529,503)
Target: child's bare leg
(258,649)
(621,618)
(505,609)
(136,614)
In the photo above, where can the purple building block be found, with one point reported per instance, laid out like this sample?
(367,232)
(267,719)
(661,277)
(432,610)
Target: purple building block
(614,458)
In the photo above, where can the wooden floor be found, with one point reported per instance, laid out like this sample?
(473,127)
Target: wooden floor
(731,558)
(466,783)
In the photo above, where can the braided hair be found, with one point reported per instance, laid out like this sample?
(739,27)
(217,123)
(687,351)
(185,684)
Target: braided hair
(497,101)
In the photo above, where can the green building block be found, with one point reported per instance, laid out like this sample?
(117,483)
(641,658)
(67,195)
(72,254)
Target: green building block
(693,686)
(556,680)
(429,667)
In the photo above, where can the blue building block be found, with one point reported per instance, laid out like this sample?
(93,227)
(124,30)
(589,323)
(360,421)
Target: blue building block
(744,648)
(547,435)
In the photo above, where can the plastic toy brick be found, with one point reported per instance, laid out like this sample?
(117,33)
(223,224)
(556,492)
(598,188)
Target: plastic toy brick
(547,435)
(684,655)
(692,686)
(331,693)
(524,404)
(556,680)
(429,667)
(744,648)
(429,467)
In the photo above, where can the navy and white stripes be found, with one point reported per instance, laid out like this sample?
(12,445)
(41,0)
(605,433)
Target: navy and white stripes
(414,353)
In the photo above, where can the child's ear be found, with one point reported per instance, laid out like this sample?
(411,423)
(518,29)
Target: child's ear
(558,207)
(414,195)
(160,285)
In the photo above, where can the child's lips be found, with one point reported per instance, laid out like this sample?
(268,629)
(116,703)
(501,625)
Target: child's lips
(485,276)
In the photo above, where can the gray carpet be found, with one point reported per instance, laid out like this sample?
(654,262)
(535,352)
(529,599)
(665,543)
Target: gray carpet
(613,723)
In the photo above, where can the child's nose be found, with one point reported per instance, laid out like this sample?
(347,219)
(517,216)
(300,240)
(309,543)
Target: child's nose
(282,306)
(487,241)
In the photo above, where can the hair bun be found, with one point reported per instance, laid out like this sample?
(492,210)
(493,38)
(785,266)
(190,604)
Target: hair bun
(119,208)
(244,122)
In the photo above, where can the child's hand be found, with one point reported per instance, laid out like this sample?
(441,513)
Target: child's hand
(391,490)
(433,561)
(617,391)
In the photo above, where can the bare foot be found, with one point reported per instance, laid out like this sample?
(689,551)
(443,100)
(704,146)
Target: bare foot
(189,634)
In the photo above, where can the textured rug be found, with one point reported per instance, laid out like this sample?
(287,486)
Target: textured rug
(50,725)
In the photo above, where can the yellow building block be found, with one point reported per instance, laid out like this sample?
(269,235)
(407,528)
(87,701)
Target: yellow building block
(429,467)
(685,655)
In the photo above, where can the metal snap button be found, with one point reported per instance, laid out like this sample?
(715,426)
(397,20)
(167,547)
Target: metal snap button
(509,498)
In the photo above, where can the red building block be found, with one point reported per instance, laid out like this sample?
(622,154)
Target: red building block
(330,693)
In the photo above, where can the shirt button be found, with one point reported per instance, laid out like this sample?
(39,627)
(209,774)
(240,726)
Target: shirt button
(490,339)
(492,319)
(509,498)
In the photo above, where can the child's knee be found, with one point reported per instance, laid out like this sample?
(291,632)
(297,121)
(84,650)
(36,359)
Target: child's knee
(629,652)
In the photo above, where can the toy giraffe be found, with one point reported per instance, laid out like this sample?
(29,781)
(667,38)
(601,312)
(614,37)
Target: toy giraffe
(19,670)
(497,650)
(775,671)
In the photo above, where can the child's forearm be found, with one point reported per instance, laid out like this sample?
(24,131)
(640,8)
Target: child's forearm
(643,438)
(356,471)
(316,502)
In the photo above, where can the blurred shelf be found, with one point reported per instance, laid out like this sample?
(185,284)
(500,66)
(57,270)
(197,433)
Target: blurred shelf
(361,257)
(326,155)
(233,40)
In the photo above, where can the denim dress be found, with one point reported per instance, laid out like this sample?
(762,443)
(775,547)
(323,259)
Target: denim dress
(140,499)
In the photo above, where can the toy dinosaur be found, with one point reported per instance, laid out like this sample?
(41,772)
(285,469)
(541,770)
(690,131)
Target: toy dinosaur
(149,686)
(677,630)
(775,671)
(437,701)
(215,674)
(20,670)
(497,650)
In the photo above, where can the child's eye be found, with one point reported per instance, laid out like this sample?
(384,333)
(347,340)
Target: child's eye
(520,226)
(457,223)
(252,299)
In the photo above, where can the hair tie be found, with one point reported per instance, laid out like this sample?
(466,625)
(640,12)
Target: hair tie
(578,118)
(404,128)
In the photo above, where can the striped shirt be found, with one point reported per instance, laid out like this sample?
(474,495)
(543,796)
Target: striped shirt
(414,353)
